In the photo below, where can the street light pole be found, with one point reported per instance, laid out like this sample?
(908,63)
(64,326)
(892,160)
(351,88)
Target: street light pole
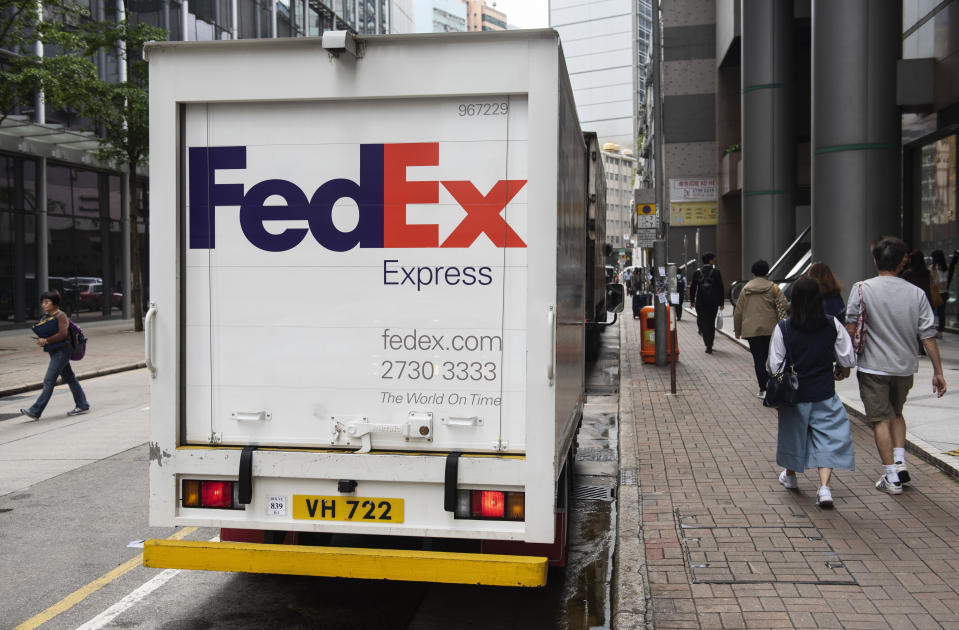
(659,248)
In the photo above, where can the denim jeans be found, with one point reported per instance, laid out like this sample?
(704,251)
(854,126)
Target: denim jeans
(59,366)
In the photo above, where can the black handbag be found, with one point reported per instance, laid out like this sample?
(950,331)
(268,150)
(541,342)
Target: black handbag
(783,386)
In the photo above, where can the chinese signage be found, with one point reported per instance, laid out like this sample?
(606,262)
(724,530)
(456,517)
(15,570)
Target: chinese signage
(694,213)
(692,201)
(685,189)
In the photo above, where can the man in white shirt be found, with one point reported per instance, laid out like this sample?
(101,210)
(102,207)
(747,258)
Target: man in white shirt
(896,313)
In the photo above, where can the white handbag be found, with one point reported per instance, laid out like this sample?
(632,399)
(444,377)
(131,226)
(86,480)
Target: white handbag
(719,320)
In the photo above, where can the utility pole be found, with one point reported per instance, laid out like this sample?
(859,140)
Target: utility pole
(659,248)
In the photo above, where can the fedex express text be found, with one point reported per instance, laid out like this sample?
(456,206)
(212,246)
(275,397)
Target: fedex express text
(381,195)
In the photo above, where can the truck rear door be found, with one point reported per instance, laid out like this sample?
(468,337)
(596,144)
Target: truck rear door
(356,273)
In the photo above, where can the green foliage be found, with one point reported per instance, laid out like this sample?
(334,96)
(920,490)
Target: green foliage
(22,73)
(120,110)
(69,78)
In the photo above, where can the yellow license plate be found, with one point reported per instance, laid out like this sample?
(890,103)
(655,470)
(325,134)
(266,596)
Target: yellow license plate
(357,509)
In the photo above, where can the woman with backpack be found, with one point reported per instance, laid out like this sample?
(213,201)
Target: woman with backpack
(814,432)
(53,335)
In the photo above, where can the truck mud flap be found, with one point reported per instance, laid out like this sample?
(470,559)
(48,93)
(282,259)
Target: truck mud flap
(246,475)
(347,562)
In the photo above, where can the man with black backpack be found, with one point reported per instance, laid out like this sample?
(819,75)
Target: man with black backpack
(708,295)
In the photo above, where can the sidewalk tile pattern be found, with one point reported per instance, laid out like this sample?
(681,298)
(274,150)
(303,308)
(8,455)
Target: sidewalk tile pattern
(706,457)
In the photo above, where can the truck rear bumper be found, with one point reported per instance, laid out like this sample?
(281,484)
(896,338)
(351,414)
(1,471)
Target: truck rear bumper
(347,562)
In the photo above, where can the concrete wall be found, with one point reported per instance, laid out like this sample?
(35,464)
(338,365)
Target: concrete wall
(689,112)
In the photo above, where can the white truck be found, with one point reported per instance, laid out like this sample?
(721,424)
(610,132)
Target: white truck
(366,332)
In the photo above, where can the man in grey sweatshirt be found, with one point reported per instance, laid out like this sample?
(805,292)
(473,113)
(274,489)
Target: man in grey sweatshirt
(895,314)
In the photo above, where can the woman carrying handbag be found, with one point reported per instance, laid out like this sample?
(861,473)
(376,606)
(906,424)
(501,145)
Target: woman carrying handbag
(814,432)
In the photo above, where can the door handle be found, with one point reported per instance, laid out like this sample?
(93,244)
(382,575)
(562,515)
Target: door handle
(551,362)
(149,338)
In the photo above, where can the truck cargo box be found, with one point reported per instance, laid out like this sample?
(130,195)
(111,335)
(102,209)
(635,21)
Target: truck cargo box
(359,265)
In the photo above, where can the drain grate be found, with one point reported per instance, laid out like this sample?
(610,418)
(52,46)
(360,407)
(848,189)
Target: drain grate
(596,454)
(627,477)
(592,493)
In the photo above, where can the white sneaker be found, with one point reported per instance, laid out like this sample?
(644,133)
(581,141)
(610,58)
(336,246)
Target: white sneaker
(788,481)
(884,485)
(824,497)
(761,394)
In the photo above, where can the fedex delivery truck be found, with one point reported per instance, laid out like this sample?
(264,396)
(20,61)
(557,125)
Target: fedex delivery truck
(365,337)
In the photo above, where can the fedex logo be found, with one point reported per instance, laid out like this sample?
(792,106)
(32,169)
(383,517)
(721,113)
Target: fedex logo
(381,195)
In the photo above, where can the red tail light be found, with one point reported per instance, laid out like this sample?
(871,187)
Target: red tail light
(216,494)
(489,504)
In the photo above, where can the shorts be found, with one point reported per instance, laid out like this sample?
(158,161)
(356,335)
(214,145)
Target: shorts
(883,396)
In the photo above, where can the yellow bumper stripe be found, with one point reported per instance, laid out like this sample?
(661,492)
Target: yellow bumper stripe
(347,562)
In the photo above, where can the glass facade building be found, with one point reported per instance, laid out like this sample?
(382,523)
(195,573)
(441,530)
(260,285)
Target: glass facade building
(599,42)
(929,137)
(63,213)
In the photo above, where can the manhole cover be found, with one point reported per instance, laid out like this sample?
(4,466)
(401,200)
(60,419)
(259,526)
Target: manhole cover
(786,549)
(592,493)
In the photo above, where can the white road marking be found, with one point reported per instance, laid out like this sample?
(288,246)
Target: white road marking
(133,598)
(124,604)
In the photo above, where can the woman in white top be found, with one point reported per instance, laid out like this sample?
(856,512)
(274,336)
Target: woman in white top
(813,433)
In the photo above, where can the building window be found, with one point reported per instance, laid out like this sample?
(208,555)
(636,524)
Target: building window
(494,21)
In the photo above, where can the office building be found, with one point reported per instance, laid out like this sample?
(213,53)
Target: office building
(846,114)
(689,130)
(620,167)
(599,40)
(440,16)
(482,15)
(644,40)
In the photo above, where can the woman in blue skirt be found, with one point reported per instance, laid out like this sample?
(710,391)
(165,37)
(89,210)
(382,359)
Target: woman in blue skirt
(814,433)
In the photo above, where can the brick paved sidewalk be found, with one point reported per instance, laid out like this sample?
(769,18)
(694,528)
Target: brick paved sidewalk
(727,547)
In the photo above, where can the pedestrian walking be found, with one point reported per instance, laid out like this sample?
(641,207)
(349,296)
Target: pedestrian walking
(940,280)
(813,433)
(830,288)
(681,290)
(756,314)
(707,295)
(916,272)
(638,292)
(894,312)
(53,336)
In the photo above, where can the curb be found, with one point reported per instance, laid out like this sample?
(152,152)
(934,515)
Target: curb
(914,445)
(923,450)
(29,387)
